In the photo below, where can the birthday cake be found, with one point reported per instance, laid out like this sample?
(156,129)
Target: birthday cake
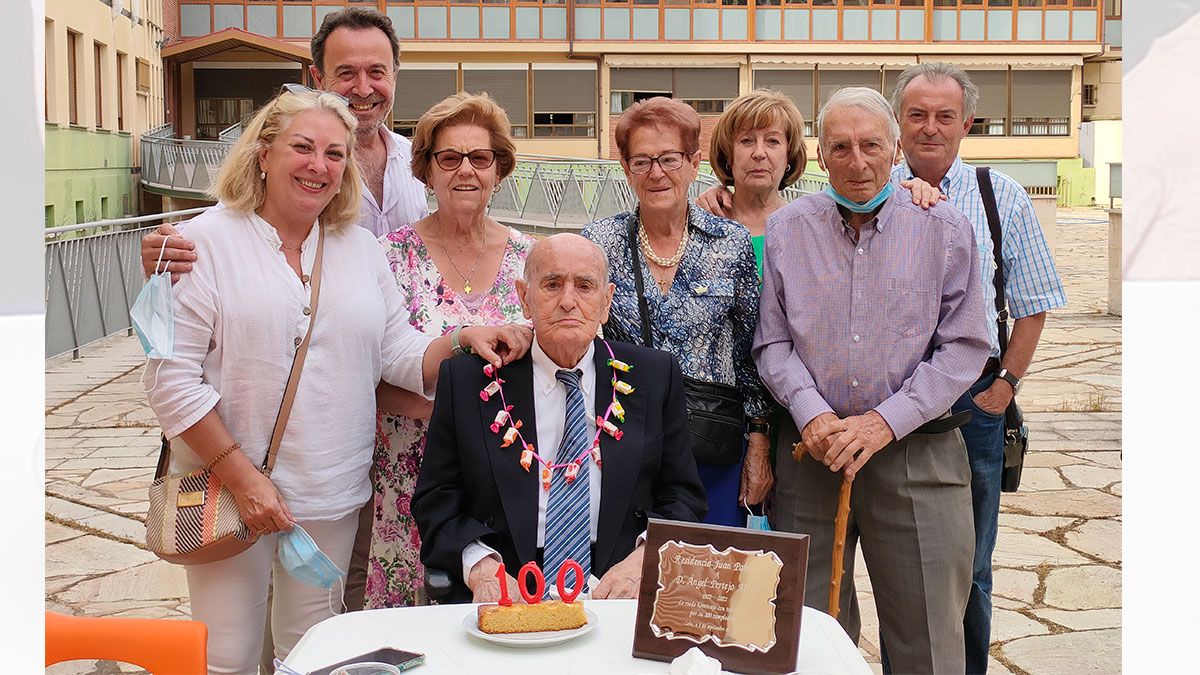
(523,618)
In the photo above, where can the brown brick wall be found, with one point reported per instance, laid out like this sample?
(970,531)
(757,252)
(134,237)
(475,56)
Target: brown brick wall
(170,18)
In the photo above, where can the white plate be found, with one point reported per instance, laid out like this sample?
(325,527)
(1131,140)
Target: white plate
(528,640)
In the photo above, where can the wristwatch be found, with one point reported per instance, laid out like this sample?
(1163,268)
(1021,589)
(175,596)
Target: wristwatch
(455,347)
(1008,377)
(758,428)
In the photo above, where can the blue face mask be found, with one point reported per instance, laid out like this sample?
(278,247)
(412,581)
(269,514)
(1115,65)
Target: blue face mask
(865,207)
(153,314)
(299,555)
(754,522)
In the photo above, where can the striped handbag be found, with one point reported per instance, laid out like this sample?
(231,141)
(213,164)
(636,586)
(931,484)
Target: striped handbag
(193,518)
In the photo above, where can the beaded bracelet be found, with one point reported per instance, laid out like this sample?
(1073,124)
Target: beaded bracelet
(224,453)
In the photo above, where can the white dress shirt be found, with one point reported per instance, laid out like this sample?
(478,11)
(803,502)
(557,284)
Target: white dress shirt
(404,200)
(238,317)
(550,403)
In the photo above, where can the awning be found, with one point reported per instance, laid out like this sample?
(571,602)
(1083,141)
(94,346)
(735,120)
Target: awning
(834,61)
(672,61)
(205,46)
(1002,62)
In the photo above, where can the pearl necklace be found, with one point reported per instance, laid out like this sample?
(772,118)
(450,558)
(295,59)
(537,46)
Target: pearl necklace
(644,240)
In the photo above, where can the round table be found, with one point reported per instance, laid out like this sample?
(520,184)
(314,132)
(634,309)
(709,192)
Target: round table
(437,632)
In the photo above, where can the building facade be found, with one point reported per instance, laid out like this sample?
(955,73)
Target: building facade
(104,88)
(565,69)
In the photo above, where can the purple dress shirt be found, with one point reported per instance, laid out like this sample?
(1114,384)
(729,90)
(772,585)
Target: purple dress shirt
(892,322)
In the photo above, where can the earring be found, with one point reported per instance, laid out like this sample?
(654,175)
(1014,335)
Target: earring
(428,190)
(789,170)
(496,190)
(262,175)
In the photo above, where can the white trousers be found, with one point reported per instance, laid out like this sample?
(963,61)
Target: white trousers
(230,597)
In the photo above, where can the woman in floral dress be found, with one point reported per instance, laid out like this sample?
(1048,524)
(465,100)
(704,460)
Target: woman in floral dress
(457,267)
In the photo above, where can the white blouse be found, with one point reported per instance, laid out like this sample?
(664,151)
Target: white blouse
(239,316)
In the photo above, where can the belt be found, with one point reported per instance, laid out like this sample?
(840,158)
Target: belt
(944,424)
(992,365)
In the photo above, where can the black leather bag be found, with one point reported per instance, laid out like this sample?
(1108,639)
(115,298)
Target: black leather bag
(1016,444)
(716,416)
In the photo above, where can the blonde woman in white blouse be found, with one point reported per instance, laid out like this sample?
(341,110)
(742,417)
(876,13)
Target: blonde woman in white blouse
(239,317)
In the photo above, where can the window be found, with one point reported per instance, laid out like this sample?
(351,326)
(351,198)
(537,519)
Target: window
(99,63)
(73,77)
(508,87)
(1044,106)
(708,90)
(630,85)
(143,75)
(564,103)
(417,91)
(214,115)
(991,113)
(1089,94)
(619,101)
(1112,9)
(122,60)
(798,84)
(830,81)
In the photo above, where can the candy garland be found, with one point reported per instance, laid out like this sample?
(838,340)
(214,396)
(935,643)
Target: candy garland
(512,428)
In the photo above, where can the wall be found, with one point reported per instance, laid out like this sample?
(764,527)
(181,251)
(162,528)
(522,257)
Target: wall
(88,166)
(1106,150)
(96,157)
(1079,182)
(1106,75)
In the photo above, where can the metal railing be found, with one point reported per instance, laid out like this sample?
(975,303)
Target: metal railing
(93,276)
(230,133)
(182,165)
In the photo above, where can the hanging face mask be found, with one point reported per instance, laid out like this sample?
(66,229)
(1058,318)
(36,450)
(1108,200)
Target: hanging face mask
(299,555)
(867,206)
(756,521)
(153,317)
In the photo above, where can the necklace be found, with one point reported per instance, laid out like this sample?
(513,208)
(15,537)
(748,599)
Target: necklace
(289,248)
(644,240)
(465,277)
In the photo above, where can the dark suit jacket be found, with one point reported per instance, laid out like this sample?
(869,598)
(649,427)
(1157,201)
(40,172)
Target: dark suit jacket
(470,488)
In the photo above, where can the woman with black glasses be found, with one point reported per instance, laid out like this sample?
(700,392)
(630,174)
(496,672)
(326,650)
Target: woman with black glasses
(455,268)
(687,284)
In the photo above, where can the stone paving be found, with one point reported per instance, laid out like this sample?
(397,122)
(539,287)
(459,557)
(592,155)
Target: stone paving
(1057,560)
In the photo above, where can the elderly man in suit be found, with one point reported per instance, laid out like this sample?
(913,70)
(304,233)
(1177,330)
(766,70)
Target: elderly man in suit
(477,505)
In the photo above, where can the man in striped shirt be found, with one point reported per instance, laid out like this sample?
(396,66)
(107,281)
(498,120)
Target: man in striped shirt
(935,105)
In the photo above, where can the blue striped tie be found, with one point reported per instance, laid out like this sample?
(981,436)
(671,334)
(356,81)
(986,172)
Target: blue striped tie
(568,525)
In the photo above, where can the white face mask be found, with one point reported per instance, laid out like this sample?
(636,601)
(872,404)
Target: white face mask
(153,317)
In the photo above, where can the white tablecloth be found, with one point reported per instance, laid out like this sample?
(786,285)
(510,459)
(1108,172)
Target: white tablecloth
(437,632)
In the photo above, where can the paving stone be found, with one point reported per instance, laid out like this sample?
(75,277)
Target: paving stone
(1084,619)
(1101,538)
(1041,480)
(1009,625)
(1001,602)
(101,476)
(139,448)
(1018,585)
(997,668)
(56,533)
(56,585)
(1081,503)
(1097,651)
(153,581)
(121,527)
(1091,476)
(110,463)
(1116,489)
(1110,459)
(1033,523)
(1021,549)
(90,554)
(1086,587)
(1050,460)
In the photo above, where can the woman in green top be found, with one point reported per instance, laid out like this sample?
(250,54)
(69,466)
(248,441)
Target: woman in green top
(757,148)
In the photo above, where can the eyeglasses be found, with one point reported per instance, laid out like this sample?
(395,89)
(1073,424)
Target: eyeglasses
(450,160)
(299,89)
(669,161)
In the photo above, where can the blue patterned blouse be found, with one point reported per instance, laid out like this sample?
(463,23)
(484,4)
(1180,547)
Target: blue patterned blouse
(707,319)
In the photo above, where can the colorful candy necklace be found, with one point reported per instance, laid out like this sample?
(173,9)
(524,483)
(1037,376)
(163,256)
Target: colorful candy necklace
(512,427)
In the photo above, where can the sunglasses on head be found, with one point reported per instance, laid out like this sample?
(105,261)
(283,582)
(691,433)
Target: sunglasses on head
(299,89)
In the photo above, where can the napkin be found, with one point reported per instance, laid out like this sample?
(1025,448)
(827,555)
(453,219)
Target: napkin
(694,662)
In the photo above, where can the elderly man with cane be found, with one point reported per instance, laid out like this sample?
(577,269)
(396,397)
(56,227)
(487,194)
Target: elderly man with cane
(871,326)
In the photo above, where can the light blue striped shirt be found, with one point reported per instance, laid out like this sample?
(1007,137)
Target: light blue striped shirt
(1031,283)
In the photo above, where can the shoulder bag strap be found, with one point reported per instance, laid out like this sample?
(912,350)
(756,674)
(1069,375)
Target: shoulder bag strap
(639,284)
(289,393)
(983,174)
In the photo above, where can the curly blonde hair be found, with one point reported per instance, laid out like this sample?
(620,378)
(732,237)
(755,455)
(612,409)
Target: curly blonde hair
(759,109)
(238,184)
(459,110)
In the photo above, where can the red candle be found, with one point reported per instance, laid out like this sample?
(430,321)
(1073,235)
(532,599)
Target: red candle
(531,567)
(561,582)
(505,601)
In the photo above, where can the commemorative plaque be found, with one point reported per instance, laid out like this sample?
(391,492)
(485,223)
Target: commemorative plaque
(736,593)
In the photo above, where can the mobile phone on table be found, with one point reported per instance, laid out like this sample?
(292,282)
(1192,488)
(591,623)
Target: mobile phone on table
(401,659)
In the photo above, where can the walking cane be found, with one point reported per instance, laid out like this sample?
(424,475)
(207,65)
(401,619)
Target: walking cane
(839,536)
(839,547)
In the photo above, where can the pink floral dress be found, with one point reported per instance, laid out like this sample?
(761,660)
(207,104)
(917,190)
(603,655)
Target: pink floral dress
(394,570)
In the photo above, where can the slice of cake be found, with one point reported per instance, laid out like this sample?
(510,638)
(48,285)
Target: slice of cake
(521,618)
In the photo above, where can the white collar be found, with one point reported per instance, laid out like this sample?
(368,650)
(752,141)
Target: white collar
(545,369)
(268,232)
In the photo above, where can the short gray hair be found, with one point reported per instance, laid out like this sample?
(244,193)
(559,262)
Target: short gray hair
(936,71)
(859,97)
(536,252)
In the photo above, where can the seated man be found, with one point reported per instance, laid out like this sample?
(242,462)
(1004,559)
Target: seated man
(871,326)
(476,505)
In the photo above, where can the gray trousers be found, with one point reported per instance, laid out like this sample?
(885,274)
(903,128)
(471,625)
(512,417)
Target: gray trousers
(911,511)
